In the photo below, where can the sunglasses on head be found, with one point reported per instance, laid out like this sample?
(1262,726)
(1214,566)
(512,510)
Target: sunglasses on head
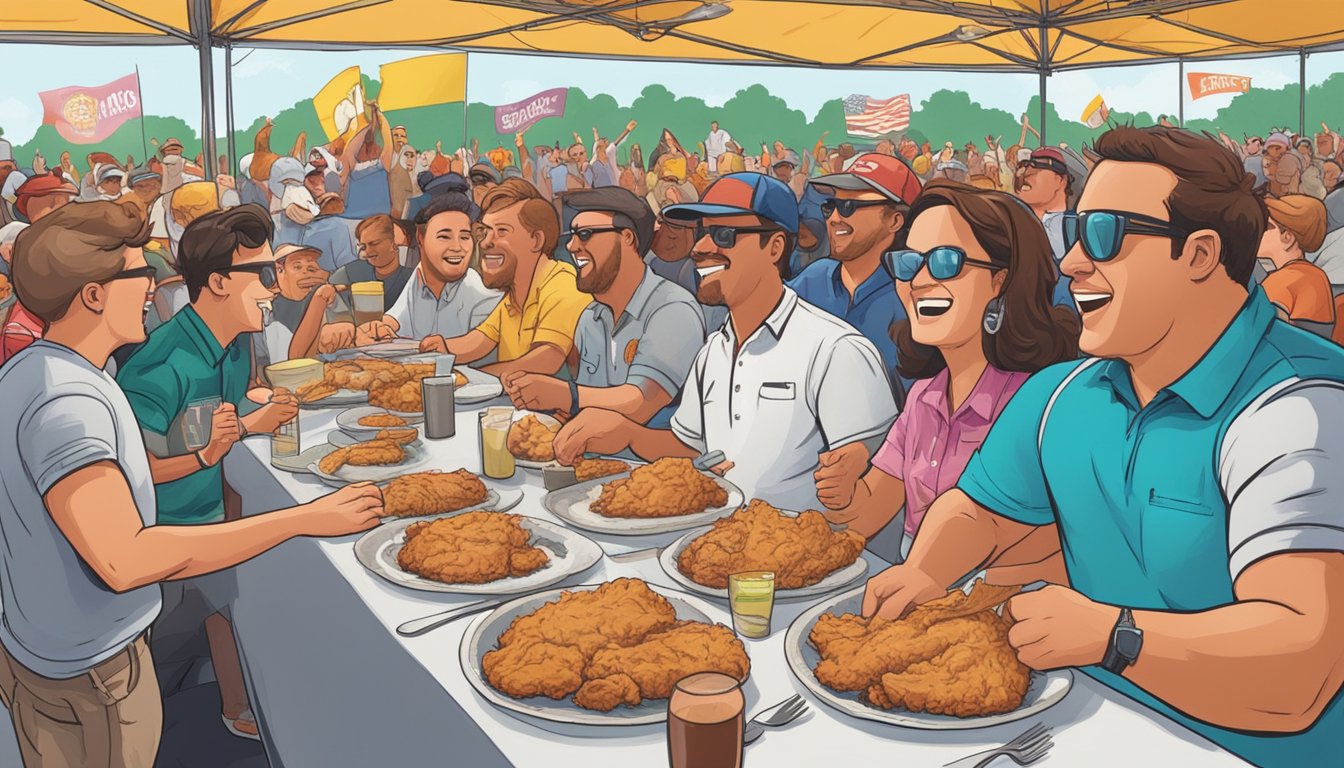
(1102,233)
(848,207)
(726,237)
(264,272)
(945,262)
(586,233)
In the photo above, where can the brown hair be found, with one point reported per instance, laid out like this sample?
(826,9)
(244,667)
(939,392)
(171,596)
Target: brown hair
(1302,215)
(382,222)
(1034,334)
(536,215)
(1213,190)
(73,246)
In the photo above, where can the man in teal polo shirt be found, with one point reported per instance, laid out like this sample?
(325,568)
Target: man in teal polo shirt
(1193,468)
(188,388)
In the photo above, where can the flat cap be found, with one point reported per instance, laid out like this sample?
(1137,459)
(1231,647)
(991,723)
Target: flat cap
(616,200)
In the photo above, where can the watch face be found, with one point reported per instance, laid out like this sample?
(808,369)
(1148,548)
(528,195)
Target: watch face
(1128,642)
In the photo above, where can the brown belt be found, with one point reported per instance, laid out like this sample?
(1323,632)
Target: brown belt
(128,656)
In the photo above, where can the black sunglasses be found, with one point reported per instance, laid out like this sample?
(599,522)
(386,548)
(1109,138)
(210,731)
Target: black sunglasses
(726,237)
(265,272)
(131,274)
(586,233)
(1045,165)
(1102,233)
(847,207)
(945,262)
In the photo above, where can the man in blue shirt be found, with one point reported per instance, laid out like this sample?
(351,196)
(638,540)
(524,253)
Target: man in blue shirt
(865,213)
(1192,468)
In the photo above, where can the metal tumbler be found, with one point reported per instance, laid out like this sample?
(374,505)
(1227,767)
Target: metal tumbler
(440,407)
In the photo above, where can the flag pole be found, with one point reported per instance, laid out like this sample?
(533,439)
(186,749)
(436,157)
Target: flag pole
(466,106)
(140,93)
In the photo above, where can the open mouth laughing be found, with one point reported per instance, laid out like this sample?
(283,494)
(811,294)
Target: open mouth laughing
(1091,302)
(933,307)
(490,261)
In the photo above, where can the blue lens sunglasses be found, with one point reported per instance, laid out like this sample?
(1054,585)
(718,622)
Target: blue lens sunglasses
(1102,233)
(945,262)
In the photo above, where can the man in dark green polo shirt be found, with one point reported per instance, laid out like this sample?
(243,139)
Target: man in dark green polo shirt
(188,388)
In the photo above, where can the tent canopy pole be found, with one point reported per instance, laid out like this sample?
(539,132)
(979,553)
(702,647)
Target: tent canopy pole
(232,170)
(1302,92)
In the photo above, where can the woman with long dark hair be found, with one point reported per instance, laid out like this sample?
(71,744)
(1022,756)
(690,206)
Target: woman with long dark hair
(976,278)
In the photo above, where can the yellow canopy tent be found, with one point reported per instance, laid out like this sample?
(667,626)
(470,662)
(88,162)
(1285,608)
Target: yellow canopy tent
(1041,36)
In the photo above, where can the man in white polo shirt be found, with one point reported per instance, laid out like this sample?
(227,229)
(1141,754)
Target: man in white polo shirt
(780,383)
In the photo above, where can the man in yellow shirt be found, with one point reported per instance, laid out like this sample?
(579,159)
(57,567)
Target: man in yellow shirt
(533,326)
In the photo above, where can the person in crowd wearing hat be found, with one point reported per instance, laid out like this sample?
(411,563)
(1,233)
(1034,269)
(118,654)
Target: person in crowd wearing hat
(299,220)
(1043,182)
(42,195)
(793,171)
(638,338)
(366,168)
(229,269)
(8,234)
(175,168)
(484,177)
(110,182)
(1192,467)
(145,183)
(309,315)
(78,508)
(780,373)
(1283,167)
(669,256)
(434,185)
(532,327)
(865,210)
(1298,288)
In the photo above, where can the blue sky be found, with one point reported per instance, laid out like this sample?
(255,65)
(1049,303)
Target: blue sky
(268,80)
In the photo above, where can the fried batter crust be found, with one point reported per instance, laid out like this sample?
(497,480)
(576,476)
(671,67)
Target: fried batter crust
(472,548)
(666,488)
(431,493)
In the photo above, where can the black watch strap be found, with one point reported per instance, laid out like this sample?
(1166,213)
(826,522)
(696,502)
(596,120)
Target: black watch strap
(1125,645)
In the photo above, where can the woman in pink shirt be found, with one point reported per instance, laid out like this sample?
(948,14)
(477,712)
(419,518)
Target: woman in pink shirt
(976,281)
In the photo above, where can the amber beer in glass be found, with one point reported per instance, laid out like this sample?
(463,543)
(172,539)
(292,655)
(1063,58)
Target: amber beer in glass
(705,718)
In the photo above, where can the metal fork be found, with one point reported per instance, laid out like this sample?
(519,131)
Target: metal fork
(785,712)
(1024,750)
(634,555)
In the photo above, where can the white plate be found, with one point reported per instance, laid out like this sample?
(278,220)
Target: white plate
(480,387)
(835,580)
(572,505)
(569,552)
(299,464)
(483,636)
(342,440)
(417,459)
(348,420)
(1045,690)
(341,398)
(384,350)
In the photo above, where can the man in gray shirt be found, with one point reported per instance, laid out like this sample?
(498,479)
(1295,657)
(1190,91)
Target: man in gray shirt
(80,556)
(637,341)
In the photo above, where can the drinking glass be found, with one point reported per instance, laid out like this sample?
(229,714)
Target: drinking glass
(705,719)
(367,301)
(196,423)
(751,595)
(440,406)
(285,439)
(496,461)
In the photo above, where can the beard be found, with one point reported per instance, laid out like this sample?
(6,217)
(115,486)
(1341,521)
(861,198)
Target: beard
(860,243)
(502,278)
(601,273)
(711,294)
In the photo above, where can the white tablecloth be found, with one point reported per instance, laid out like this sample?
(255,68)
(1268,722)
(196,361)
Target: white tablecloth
(334,685)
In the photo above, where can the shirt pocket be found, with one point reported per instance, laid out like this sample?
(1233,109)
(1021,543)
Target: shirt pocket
(1158,499)
(777,390)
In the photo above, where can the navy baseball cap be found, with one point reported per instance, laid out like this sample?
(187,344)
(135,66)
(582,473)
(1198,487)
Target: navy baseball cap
(739,193)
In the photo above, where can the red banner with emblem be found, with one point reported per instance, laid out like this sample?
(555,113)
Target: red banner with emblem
(85,115)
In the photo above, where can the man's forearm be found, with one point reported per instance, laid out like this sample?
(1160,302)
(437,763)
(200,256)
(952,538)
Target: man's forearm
(629,400)
(471,347)
(171,468)
(182,551)
(545,359)
(958,537)
(653,444)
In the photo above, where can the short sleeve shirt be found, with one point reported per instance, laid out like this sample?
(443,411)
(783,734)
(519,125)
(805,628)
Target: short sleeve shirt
(872,309)
(548,316)
(802,384)
(1303,290)
(362,272)
(330,235)
(62,414)
(459,307)
(182,365)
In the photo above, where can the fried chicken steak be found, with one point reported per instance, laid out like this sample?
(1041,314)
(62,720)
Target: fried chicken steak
(531,439)
(431,493)
(383,420)
(618,644)
(800,550)
(391,385)
(471,548)
(386,448)
(591,469)
(949,656)
(665,488)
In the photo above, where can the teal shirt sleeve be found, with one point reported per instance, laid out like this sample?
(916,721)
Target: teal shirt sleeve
(155,393)
(1005,475)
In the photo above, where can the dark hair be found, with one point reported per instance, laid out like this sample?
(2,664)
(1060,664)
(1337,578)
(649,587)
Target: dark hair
(1034,334)
(445,203)
(1213,190)
(210,243)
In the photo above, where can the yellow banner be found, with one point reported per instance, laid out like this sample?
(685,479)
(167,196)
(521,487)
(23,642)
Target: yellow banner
(423,81)
(340,104)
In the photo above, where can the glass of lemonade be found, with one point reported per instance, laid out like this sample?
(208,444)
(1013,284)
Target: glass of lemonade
(705,722)
(496,461)
(367,298)
(751,595)
(285,439)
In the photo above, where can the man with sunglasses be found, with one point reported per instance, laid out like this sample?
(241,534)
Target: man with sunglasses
(865,212)
(669,257)
(779,384)
(638,338)
(1193,467)
(1045,182)
(81,550)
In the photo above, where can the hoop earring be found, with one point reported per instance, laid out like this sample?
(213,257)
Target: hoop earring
(993,316)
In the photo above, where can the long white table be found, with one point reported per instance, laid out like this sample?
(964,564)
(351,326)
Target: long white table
(333,684)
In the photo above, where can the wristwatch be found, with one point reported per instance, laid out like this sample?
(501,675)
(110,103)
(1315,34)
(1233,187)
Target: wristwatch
(573,398)
(1126,643)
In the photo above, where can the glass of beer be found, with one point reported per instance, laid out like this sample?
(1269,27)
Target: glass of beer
(367,298)
(285,439)
(705,718)
(751,594)
(496,461)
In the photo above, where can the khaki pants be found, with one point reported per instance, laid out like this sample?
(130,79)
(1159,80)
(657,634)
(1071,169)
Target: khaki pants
(111,717)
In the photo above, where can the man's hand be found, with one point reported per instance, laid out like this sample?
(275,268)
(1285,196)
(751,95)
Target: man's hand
(593,430)
(335,336)
(352,509)
(535,392)
(268,418)
(898,589)
(839,472)
(325,295)
(434,343)
(224,432)
(375,331)
(630,126)
(1057,627)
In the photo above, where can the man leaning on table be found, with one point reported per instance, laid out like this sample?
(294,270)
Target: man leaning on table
(636,342)
(780,383)
(77,504)
(1192,465)
(532,327)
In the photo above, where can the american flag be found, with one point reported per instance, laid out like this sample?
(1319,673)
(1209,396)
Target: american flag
(869,117)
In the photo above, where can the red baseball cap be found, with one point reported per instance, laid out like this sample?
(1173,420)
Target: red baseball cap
(884,174)
(41,186)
